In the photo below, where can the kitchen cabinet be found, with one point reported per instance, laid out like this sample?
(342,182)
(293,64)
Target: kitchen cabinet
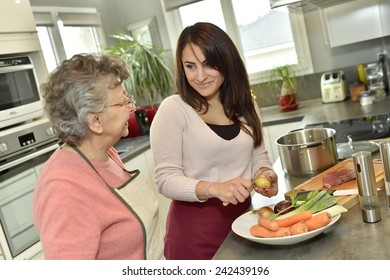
(16,17)
(144,162)
(273,132)
(17,28)
(357,21)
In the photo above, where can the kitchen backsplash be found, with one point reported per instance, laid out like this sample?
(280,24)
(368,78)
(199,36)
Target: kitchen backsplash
(309,87)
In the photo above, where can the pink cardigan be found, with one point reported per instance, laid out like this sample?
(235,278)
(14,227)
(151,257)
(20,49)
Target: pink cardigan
(78,217)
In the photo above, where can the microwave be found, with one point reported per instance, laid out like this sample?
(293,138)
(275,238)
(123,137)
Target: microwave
(20,99)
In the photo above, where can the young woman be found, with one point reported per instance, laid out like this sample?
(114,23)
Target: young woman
(207,144)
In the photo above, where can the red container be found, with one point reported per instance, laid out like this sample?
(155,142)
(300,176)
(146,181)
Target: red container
(151,112)
(133,126)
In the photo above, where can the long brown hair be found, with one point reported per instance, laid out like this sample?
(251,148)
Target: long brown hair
(222,55)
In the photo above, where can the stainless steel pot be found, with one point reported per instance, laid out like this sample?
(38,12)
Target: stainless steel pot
(307,151)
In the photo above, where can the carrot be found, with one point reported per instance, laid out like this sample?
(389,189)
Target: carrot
(298,228)
(271,225)
(318,221)
(289,221)
(260,231)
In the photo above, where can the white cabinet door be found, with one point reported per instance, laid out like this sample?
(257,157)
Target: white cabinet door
(357,21)
(16,17)
(273,132)
(164,202)
(268,143)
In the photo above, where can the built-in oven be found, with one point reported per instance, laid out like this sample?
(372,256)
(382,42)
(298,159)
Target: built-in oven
(20,100)
(23,151)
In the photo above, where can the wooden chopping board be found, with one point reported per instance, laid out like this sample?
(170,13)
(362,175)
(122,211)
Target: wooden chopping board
(348,201)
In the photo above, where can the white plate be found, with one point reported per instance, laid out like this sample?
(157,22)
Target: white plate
(243,223)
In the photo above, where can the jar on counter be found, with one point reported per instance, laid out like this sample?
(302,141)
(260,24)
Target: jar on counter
(374,76)
(366,98)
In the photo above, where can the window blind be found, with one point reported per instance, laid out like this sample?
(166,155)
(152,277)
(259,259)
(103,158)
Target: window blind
(43,19)
(80,19)
(174,4)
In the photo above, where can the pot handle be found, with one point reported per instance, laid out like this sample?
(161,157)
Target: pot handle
(295,130)
(313,145)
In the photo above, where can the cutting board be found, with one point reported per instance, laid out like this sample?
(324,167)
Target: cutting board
(348,201)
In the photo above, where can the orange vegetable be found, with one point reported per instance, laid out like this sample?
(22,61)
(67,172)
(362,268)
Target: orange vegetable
(318,221)
(298,228)
(260,231)
(289,221)
(271,225)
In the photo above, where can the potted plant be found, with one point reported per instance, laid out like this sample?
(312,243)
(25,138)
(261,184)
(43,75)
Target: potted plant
(151,78)
(284,81)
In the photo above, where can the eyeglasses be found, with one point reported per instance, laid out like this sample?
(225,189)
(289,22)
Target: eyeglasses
(127,102)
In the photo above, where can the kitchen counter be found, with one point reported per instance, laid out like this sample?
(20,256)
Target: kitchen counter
(349,239)
(314,111)
(129,148)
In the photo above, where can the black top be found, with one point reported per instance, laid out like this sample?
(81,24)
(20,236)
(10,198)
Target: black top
(227,132)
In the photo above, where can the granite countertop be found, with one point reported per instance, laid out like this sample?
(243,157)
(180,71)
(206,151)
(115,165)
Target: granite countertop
(315,111)
(131,147)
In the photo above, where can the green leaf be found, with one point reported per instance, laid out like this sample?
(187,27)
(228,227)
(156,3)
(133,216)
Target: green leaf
(325,202)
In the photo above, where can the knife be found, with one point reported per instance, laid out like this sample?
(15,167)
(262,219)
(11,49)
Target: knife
(227,203)
(345,192)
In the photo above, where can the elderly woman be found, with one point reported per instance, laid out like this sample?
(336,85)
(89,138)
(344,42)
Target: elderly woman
(86,204)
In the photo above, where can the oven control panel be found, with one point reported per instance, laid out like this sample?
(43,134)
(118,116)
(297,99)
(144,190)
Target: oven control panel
(27,139)
(21,138)
(15,61)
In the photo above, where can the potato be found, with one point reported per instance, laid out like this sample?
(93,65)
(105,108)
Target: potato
(265,212)
(262,182)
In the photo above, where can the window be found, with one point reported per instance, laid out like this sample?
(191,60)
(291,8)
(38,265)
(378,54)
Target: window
(64,32)
(146,31)
(264,37)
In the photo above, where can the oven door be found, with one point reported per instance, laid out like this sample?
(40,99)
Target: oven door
(17,86)
(18,236)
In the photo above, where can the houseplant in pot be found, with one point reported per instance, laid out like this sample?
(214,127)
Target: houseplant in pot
(284,81)
(151,78)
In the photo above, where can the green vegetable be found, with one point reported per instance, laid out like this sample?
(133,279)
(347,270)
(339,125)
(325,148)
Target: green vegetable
(313,198)
(325,202)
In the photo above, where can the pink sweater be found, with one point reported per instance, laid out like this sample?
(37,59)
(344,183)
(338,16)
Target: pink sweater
(186,150)
(78,217)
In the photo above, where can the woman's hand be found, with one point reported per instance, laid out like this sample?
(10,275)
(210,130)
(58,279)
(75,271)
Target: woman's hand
(232,191)
(270,175)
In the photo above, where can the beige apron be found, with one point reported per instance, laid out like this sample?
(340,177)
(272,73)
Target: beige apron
(141,199)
